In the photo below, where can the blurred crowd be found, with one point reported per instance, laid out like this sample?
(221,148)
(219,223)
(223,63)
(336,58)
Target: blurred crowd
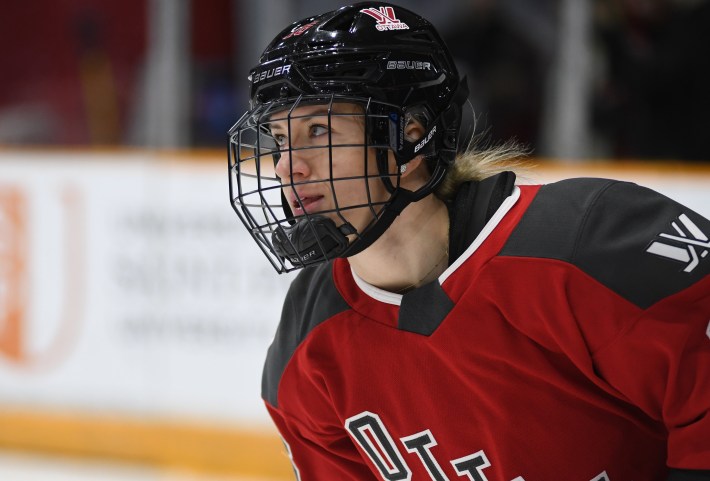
(74,72)
(652,97)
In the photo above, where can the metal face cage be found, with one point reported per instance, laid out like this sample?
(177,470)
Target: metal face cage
(266,203)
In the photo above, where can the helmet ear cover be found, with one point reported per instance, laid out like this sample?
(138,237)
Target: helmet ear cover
(438,144)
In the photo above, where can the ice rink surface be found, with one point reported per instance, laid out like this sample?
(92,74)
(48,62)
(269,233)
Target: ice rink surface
(33,467)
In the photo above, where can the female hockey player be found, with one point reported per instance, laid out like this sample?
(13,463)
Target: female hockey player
(448,323)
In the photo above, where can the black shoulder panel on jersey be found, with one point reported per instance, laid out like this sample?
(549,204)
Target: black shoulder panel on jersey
(688,475)
(637,242)
(311,299)
(550,226)
(424,308)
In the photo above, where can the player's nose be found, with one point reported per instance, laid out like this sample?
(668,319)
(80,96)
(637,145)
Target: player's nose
(292,164)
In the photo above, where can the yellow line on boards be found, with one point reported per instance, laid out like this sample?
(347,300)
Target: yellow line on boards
(168,443)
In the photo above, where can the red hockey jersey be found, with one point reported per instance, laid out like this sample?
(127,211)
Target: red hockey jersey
(569,342)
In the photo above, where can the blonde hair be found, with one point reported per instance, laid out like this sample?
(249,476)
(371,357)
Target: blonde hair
(478,162)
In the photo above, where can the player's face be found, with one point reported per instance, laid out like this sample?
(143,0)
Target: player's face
(305,169)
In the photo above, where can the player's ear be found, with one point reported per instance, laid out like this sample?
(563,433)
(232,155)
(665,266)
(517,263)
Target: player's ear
(410,167)
(413,131)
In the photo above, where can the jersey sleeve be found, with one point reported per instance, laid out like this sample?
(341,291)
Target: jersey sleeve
(294,392)
(655,253)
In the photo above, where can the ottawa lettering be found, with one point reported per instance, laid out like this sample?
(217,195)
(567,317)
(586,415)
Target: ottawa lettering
(372,436)
(370,433)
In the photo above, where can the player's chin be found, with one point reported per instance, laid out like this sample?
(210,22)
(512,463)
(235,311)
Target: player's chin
(359,217)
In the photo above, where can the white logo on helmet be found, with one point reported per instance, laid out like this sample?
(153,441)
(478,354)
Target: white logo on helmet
(270,73)
(421,144)
(407,65)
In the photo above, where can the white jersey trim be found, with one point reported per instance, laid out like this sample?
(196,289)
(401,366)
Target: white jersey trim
(375,292)
(483,235)
(396,299)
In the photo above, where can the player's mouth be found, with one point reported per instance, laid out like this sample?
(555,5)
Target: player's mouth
(306,204)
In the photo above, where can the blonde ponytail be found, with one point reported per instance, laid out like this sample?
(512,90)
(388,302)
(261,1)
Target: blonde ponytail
(476,163)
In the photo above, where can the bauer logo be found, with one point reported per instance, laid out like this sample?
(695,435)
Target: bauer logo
(386,19)
(270,73)
(426,140)
(407,65)
(688,244)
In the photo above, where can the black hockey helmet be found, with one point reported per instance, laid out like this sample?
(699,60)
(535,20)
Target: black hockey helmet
(385,58)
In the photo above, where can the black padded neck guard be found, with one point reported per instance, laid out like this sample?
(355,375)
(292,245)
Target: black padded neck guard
(473,207)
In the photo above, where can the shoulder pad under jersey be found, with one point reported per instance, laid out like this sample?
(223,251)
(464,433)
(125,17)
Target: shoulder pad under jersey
(637,242)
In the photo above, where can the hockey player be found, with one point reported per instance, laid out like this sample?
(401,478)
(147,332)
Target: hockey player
(448,323)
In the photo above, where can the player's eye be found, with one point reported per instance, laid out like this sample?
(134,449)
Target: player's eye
(280,139)
(316,130)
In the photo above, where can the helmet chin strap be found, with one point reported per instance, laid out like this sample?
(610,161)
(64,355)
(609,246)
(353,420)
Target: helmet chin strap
(401,199)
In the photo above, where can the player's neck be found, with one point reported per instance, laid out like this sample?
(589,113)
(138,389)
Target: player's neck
(412,252)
